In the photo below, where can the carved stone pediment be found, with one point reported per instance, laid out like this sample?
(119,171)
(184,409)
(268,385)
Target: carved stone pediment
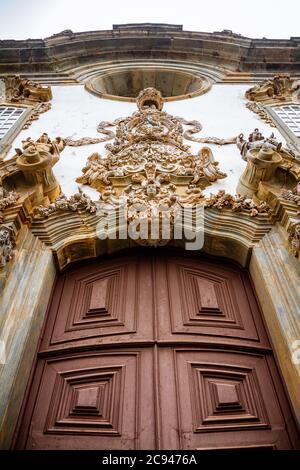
(280,88)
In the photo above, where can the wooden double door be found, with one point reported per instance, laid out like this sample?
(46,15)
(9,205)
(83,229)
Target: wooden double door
(155,350)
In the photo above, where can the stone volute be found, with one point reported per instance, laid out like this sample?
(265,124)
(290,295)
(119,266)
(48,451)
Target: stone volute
(261,165)
(36,166)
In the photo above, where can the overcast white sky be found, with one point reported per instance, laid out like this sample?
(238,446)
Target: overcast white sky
(23,19)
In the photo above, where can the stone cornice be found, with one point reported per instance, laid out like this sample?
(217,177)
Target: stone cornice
(64,51)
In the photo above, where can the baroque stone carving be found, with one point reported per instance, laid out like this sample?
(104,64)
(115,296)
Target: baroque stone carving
(150,136)
(294,240)
(22,90)
(7,244)
(7,198)
(26,92)
(256,141)
(281,88)
(36,112)
(293,195)
(261,165)
(36,160)
(261,112)
(78,201)
(223,200)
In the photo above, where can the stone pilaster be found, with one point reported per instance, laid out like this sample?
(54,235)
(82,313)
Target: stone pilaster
(276,273)
(23,305)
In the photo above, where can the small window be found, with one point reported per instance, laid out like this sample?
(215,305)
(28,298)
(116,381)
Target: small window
(9,115)
(290,115)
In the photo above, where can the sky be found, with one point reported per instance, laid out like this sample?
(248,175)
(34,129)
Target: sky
(274,19)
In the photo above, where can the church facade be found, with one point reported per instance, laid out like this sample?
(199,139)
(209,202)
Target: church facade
(149,240)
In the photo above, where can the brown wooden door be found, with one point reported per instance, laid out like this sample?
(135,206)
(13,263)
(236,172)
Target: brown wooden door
(155,350)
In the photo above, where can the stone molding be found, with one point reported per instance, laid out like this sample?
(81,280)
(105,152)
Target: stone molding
(62,52)
(275,275)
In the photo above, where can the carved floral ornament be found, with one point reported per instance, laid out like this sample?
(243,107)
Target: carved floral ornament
(147,165)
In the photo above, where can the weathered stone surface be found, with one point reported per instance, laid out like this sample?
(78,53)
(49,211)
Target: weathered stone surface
(275,274)
(64,51)
(23,304)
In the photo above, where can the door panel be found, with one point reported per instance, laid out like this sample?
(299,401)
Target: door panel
(155,351)
(103,303)
(229,399)
(196,301)
(93,401)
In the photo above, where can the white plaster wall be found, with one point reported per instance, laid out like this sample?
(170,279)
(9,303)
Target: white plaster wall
(76,113)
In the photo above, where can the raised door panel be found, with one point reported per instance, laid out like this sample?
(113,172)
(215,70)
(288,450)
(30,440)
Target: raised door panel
(228,400)
(93,401)
(208,303)
(102,303)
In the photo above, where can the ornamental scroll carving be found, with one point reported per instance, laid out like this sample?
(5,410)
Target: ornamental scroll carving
(280,88)
(150,136)
(22,90)
(19,90)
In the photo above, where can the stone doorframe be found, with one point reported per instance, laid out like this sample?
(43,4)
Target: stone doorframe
(27,289)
